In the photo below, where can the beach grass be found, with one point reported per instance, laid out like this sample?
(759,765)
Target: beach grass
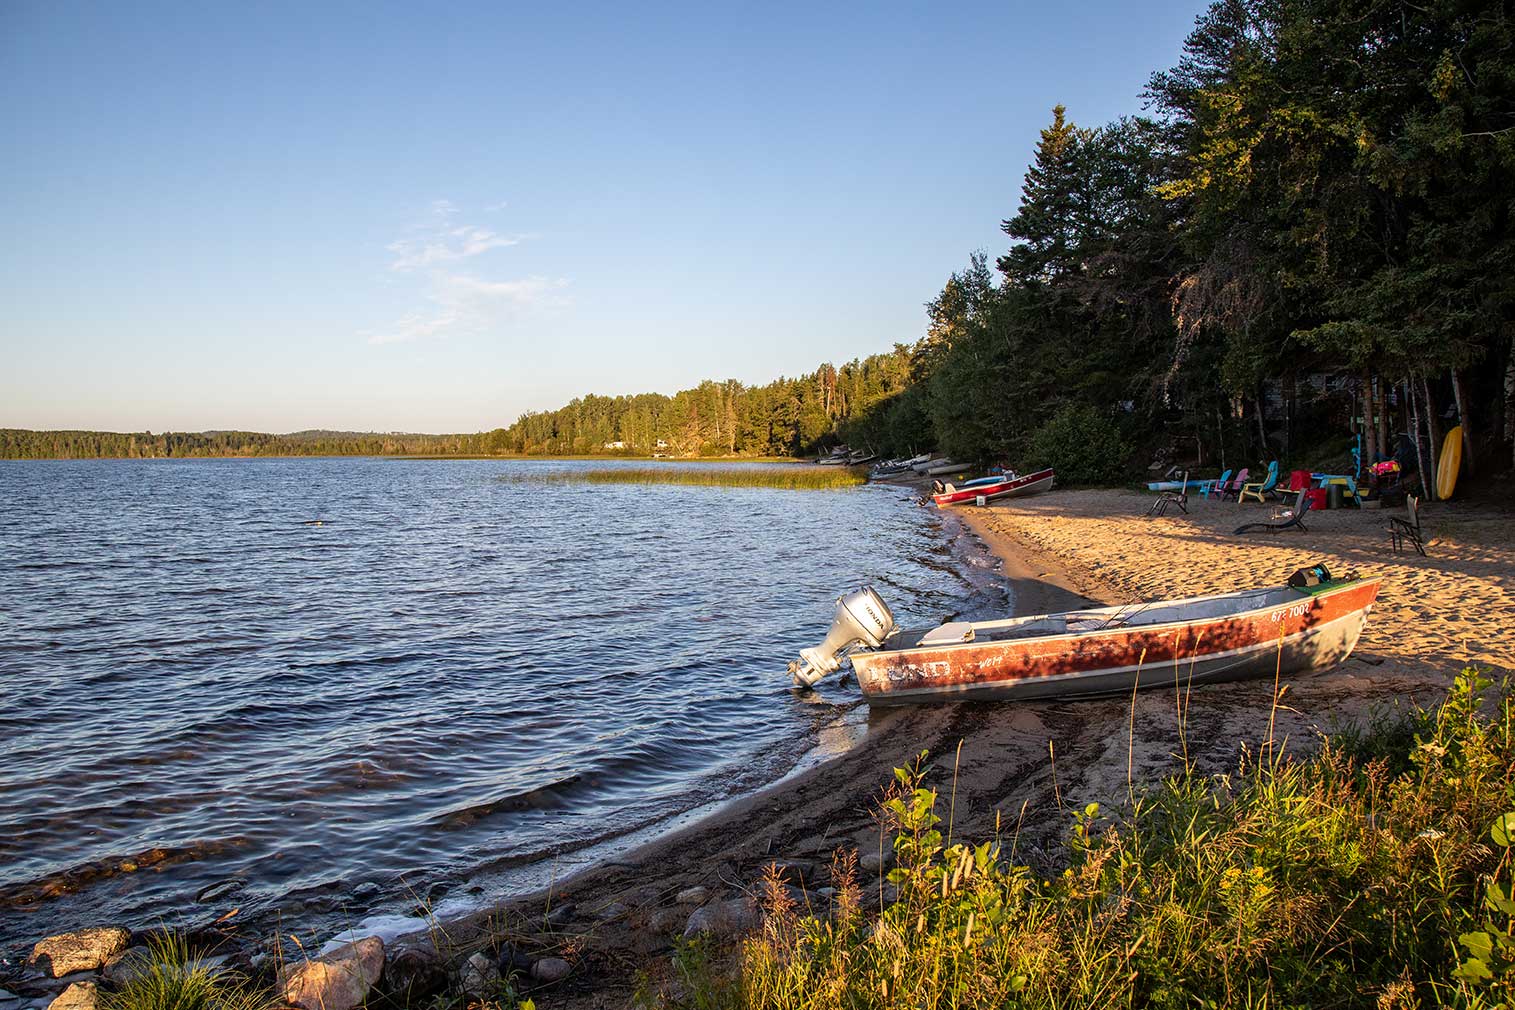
(171,978)
(789,478)
(1374,873)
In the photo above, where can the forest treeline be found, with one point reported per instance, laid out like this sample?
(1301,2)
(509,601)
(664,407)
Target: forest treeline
(1310,228)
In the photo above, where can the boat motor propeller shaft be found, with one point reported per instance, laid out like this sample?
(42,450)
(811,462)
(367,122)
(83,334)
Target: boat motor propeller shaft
(862,619)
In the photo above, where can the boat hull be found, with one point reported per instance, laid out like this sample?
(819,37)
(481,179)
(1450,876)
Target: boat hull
(1296,635)
(1029,484)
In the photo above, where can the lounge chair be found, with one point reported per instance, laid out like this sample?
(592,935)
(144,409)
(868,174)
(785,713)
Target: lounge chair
(1402,531)
(1260,488)
(1283,519)
(1206,486)
(1179,498)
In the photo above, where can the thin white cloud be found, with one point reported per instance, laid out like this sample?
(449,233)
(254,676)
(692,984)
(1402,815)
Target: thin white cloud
(461,302)
(453,244)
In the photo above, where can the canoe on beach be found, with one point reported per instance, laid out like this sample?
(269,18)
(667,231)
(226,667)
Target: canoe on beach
(1103,650)
(994,488)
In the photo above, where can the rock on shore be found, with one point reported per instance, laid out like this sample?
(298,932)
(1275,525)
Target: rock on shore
(340,980)
(81,950)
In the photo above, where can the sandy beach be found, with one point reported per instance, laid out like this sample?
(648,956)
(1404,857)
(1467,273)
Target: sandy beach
(1025,767)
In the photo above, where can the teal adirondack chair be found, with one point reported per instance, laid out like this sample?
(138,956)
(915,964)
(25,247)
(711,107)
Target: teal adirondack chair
(1207,486)
(1262,487)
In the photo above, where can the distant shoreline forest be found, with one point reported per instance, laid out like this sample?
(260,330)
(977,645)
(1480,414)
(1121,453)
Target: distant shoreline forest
(1308,242)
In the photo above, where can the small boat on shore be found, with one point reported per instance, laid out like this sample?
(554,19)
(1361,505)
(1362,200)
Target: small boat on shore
(994,488)
(1103,650)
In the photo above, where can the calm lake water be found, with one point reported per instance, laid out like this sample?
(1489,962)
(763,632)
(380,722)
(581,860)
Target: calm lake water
(459,679)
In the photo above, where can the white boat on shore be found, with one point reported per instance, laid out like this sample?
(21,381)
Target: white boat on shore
(1102,650)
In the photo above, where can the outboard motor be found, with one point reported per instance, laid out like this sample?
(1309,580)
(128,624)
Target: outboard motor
(862,619)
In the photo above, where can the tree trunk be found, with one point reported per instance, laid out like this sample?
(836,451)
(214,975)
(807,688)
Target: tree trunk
(1462,419)
(1381,411)
(1427,486)
(1432,427)
(1262,427)
(1369,436)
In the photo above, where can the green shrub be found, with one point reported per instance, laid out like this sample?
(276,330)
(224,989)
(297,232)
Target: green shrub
(1321,882)
(1083,446)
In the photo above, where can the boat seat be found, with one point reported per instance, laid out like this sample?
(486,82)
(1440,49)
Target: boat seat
(951,633)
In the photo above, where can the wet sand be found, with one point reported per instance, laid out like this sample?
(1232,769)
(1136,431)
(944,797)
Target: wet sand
(1025,767)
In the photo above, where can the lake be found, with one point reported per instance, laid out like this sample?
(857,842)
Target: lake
(336,689)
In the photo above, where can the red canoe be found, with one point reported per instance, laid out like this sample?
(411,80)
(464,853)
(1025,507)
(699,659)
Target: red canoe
(1013,488)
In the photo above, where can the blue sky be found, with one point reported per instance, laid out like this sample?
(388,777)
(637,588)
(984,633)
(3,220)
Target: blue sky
(432,217)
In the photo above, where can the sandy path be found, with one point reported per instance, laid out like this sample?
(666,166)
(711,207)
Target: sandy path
(1024,766)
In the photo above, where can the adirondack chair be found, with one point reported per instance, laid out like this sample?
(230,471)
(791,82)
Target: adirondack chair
(1408,531)
(1283,519)
(1260,488)
(1237,483)
(1206,486)
(1299,480)
(1179,498)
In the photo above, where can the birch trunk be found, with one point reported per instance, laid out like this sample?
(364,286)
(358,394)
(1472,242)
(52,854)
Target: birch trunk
(1370,442)
(1427,485)
(1432,427)
(1462,419)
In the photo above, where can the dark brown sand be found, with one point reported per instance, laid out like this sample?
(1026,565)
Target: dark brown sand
(1024,767)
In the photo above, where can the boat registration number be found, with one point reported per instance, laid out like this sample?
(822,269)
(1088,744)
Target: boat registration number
(1298,610)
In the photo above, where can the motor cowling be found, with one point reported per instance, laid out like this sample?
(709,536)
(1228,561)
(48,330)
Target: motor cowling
(862,619)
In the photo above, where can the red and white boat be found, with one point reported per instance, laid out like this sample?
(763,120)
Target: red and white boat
(991,489)
(1104,650)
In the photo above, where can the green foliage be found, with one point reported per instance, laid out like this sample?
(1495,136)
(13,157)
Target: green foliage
(173,980)
(789,478)
(1083,446)
(1316,882)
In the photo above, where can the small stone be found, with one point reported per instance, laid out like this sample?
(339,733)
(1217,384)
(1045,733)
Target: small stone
(874,862)
(724,919)
(83,950)
(551,969)
(339,980)
(693,896)
(413,973)
(479,976)
(614,910)
(512,961)
(560,915)
(791,871)
(78,996)
(667,921)
(826,892)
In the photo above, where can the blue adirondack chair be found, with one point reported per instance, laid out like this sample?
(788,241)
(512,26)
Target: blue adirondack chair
(1206,486)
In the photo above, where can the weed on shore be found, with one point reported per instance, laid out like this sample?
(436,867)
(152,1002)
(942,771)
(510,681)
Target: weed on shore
(1375,873)
(791,478)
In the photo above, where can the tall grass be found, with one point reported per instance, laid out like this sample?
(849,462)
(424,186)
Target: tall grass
(171,979)
(1364,876)
(792,478)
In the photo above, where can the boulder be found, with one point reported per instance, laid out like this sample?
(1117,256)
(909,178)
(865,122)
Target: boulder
(83,950)
(78,996)
(724,919)
(551,969)
(413,973)
(693,896)
(479,976)
(873,863)
(339,980)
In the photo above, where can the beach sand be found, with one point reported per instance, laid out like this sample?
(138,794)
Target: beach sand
(1023,768)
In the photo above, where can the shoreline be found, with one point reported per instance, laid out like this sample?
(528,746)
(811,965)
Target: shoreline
(1020,770)
(1023,767)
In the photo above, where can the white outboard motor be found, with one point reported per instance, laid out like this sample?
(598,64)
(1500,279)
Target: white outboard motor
(862,619)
